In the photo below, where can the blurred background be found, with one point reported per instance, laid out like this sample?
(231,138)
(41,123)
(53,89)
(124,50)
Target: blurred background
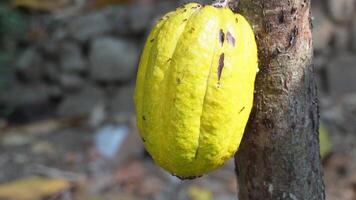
(67,128)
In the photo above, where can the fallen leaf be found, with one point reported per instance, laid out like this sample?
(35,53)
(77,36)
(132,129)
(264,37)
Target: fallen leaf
(151,186)
(33,188)
(199,193)
(133,171)
(36,128)
(12,140)
(130,176)
(43,148)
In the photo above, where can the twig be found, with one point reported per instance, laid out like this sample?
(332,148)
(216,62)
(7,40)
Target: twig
(53,172)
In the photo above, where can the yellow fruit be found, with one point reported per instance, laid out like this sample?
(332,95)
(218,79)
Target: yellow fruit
(194,88)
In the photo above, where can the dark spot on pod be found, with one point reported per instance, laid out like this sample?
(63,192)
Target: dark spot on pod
(221,65)
(237,20)
(185,10)
(178,81)
(242,109)
(230,39)
(169,60)
(195,7)
(186,178)
(184,20)
(143,139)
(221,37)
(192,30)
(152,40)
(143,117)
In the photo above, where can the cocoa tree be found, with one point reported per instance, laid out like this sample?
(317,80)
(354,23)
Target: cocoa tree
(279,155)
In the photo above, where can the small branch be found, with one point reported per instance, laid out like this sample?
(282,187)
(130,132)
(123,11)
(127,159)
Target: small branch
(53,172)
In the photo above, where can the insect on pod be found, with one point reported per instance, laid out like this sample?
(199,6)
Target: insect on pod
(194,88)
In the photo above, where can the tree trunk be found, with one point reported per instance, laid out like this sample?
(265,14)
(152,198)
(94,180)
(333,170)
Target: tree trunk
(279,155)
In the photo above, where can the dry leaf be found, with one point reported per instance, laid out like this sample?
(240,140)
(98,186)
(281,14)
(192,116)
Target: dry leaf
(33,188)
(199,193)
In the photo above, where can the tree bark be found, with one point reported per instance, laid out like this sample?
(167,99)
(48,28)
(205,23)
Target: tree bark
(279,155)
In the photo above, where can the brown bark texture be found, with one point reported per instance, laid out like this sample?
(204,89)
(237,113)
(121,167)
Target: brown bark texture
(279,155)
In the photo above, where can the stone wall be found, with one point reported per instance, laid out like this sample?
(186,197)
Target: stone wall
(88,62)
(80,64)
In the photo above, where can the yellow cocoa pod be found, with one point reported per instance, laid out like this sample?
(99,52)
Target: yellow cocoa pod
(194,88)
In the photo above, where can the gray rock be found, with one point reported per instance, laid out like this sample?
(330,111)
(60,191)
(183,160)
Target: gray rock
(340,116)
(341,10)
(341,38)
(81,103)
(122,101)
(119,19)
(71,59)
(51,71)
(349,106)
(91,25)
(323,30)
(51,46)
(140,18)
(112,59)
(353,36)
(341,73)
(29,64)
(71,82)
(59,34)
(21,95)
(55,91)
(349,110)
(321,84)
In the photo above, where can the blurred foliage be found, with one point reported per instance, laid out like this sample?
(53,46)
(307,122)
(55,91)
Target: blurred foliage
(6,71)
(42,5)
(198,193)
(12,23)
(13,28)
(325,146)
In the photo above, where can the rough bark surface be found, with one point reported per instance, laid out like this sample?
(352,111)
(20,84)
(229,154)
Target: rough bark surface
(279,155)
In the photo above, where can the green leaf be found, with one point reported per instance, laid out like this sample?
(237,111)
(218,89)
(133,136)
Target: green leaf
(12,23)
